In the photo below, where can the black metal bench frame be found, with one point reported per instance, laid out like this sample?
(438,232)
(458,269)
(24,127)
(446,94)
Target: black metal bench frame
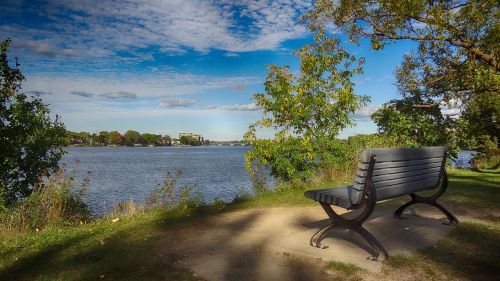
(369,200)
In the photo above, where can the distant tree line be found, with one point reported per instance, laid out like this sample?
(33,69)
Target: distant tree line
(188,140)
(130,138)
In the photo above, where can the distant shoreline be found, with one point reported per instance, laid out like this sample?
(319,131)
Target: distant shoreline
(151,146)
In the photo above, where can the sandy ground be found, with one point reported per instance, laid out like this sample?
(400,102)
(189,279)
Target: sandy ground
(273,243)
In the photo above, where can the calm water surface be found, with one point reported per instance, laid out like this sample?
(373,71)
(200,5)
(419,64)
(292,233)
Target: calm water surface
(122,173)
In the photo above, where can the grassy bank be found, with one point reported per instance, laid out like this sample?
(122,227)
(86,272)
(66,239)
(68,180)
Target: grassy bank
(124,249)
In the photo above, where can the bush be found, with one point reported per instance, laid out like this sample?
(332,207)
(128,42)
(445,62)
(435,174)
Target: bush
(169,196)
(31,142)
(488,156)
(343,155)
(58,201)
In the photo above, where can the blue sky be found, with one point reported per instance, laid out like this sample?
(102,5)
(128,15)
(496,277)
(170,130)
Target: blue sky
(169,66)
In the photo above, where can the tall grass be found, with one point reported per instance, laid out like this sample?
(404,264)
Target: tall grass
(166,196)
(58,201)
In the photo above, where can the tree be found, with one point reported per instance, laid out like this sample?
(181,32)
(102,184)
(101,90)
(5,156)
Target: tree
(103,137)
(31,143)
(77,138)
(115,138)
(307,112)
(132,137)
(188,140)
(456,63)
(151,139)
(166,140)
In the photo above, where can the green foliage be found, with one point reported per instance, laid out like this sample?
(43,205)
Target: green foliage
(101,138)
(456,64)
(307,111)
(413,126)
(151,139)
(189,140)
(59,201)
(115,138)
(169,196)
(31,143)
(80,138)
(132,137)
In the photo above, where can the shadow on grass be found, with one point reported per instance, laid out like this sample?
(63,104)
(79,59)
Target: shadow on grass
(150,249)
(105,251)
(471,252)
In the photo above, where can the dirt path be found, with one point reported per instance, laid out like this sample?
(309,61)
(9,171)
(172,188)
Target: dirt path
(273,244)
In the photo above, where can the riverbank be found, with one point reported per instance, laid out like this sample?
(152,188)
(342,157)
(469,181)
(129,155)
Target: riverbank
(146,246)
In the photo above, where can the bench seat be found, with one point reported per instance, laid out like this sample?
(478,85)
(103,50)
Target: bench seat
(340,196)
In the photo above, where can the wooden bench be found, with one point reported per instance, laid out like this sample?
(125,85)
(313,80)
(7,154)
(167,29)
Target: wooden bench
(384,173)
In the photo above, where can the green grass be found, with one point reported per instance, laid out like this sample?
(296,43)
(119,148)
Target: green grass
(125,250)
(471,251)
(474,189)
(346,268)
(117,251)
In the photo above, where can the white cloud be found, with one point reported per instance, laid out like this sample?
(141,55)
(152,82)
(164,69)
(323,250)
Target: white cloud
(82,94)
(119,95)
(365,112)
(149,85)
(98,28)
(231,55)
(243,107)
(172,103)
(40,93)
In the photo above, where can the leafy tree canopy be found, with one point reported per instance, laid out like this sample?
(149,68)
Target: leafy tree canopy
(456,63)
(132,137)
(307,111)
(31,143)
(152,139)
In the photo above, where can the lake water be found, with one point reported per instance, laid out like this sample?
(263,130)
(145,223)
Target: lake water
(121,173)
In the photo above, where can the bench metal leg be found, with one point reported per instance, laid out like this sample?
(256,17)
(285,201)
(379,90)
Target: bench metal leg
(425,200)
(431,200)
(337,221)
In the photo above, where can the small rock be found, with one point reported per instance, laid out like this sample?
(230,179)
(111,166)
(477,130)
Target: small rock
(102,276)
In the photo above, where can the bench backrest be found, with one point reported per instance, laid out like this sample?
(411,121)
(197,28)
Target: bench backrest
(399,171)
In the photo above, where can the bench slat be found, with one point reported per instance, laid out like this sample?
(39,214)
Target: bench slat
(402,154)
(406,188)
(397,164)
(394,170)
(401,175)
(335,196)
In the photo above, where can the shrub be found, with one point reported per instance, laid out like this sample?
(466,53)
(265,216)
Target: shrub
(58,201)
(169,196)
(31,142)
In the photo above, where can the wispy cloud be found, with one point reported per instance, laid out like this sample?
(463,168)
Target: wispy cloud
(242,107)
(172,103)
(365,112)
(82,94)
(158,84)
(119,95)
(104,28)
(40,93)
(231,55)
